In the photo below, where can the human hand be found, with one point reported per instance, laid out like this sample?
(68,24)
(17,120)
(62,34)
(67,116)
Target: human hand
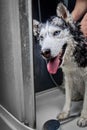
(84,25)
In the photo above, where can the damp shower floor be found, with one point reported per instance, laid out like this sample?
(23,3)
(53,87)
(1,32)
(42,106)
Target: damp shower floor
(49,104)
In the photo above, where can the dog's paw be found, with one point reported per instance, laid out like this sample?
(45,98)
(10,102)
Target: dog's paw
(82,122)
(62,115)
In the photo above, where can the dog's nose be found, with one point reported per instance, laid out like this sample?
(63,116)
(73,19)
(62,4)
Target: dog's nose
(46,53)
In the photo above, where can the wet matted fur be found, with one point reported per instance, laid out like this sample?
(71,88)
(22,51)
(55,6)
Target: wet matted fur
(63,45)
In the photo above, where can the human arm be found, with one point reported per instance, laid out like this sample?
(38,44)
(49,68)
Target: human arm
(79,9)
(84,25)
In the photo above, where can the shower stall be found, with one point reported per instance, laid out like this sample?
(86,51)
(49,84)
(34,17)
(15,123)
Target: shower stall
(29,96)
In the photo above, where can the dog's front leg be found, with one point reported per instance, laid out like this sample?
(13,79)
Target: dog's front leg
(68,95)
(82,121)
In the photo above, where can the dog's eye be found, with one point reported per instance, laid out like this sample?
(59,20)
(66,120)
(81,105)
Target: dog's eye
(56,33)
(41,38)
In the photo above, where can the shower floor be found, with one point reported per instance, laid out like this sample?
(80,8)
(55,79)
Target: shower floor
(49,104)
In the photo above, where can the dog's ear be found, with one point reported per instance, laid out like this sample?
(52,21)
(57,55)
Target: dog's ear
(36,27)
(63,12)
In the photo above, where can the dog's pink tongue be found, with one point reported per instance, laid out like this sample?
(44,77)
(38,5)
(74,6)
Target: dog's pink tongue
(53,66)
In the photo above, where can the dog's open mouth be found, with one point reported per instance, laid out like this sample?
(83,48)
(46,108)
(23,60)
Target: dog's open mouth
(54,63)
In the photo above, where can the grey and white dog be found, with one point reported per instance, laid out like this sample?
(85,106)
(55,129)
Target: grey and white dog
(62,45)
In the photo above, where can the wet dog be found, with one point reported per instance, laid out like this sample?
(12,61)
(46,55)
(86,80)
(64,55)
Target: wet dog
(63,45)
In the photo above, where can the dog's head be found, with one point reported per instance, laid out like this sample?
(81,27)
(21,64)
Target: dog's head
(53,37)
